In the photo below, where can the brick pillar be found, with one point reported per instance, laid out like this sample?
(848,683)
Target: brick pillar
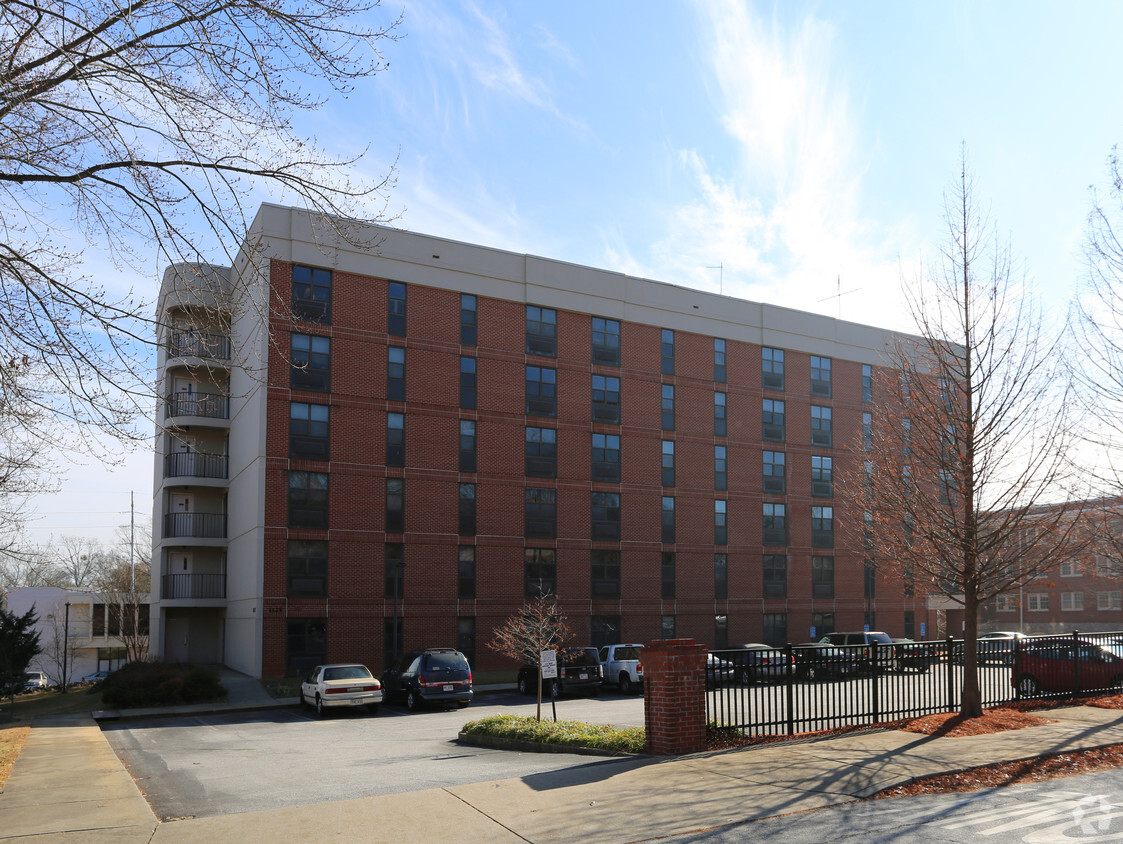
(674,691)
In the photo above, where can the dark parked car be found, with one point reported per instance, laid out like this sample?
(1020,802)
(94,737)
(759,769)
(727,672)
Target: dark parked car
(815,661)
(1067,665)
(917,656)
(436,675)
(719,672)
(756,663)
(579,671)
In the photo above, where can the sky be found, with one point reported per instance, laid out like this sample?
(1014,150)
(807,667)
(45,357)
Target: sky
(780,152)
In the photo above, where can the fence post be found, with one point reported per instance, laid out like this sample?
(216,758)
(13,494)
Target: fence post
(949,674)
(674,691)
(875,678)
(789,674)
(1076,661)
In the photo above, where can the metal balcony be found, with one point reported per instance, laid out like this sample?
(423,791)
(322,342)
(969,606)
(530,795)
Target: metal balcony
(193,344)
(196,465)
(207,405)
(192,586)
(195,525)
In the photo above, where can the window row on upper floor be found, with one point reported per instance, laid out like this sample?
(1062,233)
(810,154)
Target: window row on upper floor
(311,301)
(308,565)
(311,370)
(309,507)
(310,437)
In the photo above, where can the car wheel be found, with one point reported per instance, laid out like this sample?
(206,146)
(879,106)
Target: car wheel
(321,710)
(895,666)
(811,672)
(1028,686)
(413,703)
(372,708)
(1116,685)
(555,688)
(746,677)
(625,683)
(524,685)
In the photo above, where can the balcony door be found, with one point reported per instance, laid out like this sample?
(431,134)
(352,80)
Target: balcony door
(184,447)
(185,398)
(181,507)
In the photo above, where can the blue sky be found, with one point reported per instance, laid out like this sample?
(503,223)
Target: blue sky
(803,147)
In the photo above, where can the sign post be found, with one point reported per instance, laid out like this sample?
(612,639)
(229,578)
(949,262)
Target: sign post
(549,663)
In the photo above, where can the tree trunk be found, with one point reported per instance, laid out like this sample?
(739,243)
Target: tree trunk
(971,705)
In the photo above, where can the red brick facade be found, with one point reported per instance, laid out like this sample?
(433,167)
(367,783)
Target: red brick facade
(357,609)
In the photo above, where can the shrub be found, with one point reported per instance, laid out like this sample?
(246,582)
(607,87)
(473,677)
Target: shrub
(161,684)
(566,733)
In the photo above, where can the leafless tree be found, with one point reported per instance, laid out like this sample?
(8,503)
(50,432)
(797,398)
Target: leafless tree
(540,625)
(122,580)
(132,135)
(57,648)
(1099,366)
(970,438)
(78,559)
(26,468)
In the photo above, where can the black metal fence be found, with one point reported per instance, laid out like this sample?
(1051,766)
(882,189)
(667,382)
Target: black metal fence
(796,689)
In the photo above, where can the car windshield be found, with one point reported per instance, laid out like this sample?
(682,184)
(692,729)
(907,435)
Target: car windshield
(881,638)
(347,672)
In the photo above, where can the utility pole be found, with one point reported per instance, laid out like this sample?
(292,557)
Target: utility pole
(132,544)
(65,647)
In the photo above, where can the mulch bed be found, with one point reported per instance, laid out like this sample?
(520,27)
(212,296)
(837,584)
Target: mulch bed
(1013,716)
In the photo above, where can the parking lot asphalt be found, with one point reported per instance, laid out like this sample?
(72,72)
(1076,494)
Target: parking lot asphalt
(68,784)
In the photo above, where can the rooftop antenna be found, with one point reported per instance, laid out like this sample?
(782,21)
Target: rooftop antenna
(839,294)
(720,278)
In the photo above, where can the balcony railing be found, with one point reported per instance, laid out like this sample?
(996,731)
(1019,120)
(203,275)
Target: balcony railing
(195,525)
(195,465)
(173,586)
(192,344)
(209,405)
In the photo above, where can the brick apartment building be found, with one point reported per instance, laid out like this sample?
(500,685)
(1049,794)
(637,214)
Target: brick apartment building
(1084,593)
(369,450)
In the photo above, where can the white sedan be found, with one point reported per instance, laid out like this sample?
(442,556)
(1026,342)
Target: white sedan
(344,685)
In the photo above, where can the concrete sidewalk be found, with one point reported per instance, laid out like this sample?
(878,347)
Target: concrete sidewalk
(67,783)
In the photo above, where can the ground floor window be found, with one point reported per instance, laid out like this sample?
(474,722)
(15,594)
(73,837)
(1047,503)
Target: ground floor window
(466,637)
(604,630)
(110,659)
(392,640)
(306,645)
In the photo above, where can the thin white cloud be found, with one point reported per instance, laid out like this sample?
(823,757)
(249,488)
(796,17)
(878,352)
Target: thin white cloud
(495,66)
(784,218)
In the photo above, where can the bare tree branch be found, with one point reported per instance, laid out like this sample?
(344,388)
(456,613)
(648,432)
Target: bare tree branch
(965,487)
(131,135)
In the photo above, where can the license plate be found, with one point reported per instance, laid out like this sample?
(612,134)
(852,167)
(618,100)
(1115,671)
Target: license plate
(447,688)
(582,676)
(357,702)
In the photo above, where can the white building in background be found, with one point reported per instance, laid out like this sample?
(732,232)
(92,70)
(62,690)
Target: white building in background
(87,632)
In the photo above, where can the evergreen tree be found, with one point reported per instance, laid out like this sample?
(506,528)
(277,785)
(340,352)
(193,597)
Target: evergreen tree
(19,642)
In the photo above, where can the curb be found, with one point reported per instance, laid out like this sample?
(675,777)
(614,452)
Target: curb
(100,715)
